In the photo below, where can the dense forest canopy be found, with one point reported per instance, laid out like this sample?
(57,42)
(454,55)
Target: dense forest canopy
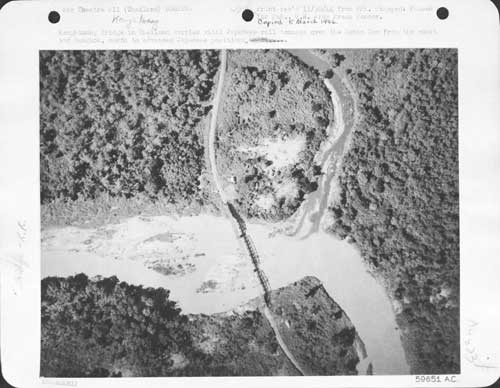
(123,123)
(271,102)
(102,327)
(399,198)
(129,124)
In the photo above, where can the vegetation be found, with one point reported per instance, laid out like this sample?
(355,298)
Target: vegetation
(106,327)
(107,209)
(102,328)
(119,129)
(125,127)
(399,195)
(240,344)
(316,329)
(272,97)
(124,123)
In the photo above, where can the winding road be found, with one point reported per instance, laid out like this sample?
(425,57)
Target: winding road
(213,125)
(220,189)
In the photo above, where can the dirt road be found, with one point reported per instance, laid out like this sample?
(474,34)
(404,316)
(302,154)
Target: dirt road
(223,197)
(213,125)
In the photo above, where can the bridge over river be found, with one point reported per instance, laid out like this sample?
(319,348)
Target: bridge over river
(240,225)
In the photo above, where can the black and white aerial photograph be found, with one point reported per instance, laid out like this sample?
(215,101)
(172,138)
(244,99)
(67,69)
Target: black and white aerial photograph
(249,212)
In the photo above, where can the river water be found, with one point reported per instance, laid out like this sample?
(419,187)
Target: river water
(207,245)
(313,211)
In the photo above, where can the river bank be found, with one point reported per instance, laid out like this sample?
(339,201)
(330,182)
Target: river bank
(218,274)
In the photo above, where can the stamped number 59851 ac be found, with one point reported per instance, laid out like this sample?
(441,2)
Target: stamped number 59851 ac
(435,379)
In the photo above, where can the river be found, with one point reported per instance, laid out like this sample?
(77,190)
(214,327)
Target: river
(310,221)
(207,245)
